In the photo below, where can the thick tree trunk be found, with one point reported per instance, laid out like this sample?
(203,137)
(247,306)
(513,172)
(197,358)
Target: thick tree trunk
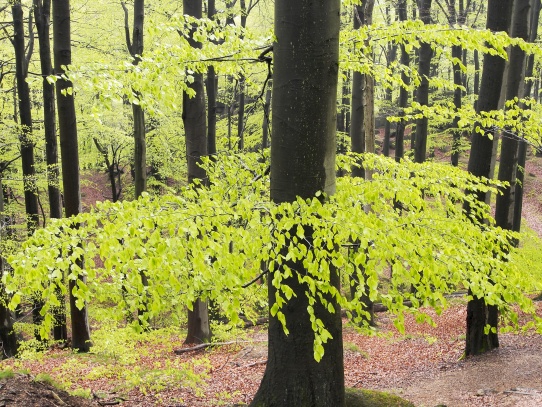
(302,163)
(422,94)
(196,147)
(42,15)
(403,92)
(478,314)
(70,156)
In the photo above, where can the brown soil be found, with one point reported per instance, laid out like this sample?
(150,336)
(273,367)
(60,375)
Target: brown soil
(22,391)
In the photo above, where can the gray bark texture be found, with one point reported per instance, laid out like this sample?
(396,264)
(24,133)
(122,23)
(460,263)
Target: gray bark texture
(195,126)
(303,149)
(67,124)
(478,313)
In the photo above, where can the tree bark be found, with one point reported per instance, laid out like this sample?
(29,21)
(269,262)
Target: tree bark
(42,16)
(302,163)
(422,94)
(536,6)
(135,47)
(211,86)
(70,156)
(357,112)
(478,313)
(196,147)
(504,208)
(403,92)
(7,335)
(25,116)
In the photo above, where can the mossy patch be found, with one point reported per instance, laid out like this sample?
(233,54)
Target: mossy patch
(371,398)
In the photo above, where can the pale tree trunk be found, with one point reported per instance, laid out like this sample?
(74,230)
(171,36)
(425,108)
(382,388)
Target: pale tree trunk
(196,147)
(42,13)
(422,93)
(478,313)
(67,124)
(302,163)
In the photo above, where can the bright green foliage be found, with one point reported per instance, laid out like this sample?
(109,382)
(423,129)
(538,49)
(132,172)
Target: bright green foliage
(210,242)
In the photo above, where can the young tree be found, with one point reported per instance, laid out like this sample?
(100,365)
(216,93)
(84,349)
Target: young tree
(211,86)
(67,124)
(196,147)
(303,149)
(42,15)
(479,314)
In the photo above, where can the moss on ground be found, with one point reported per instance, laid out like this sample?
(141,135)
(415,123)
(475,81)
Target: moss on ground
(371,398)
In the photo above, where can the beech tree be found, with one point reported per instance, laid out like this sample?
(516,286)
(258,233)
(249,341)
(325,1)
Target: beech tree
(480,314)
(42,14)
(196,147)
(135,47)
(67,124)
(303,149)
(422,92)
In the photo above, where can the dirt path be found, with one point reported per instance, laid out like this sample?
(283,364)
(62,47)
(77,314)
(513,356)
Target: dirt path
(507,377)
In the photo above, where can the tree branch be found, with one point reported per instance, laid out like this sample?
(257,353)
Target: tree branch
(127,29)
(30,49)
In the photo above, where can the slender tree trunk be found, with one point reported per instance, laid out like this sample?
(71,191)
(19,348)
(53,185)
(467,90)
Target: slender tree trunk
(391,57)
(7,335)
(357,111)
(25,138)
(211,86)
(478,314)
(70,156)
(25,116)
(476,57)
(135,48)
(422,94)
(302,163)
(266,116)
(536,6)
(42,15)
(504,209)
(196,147)
(403,92)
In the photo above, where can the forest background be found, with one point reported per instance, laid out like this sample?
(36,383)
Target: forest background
(203,230)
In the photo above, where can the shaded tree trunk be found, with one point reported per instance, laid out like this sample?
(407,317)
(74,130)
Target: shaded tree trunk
(422,94)
(135,47)
(536,6)
(403,92)
(211,86)
(9,345)
(303,162)
(357,112)
(42,13)
(70,156)
(478,313)
(196,147)
(25,138)
(504,209)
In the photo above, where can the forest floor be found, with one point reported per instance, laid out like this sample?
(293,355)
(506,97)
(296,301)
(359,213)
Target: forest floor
(424,365)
